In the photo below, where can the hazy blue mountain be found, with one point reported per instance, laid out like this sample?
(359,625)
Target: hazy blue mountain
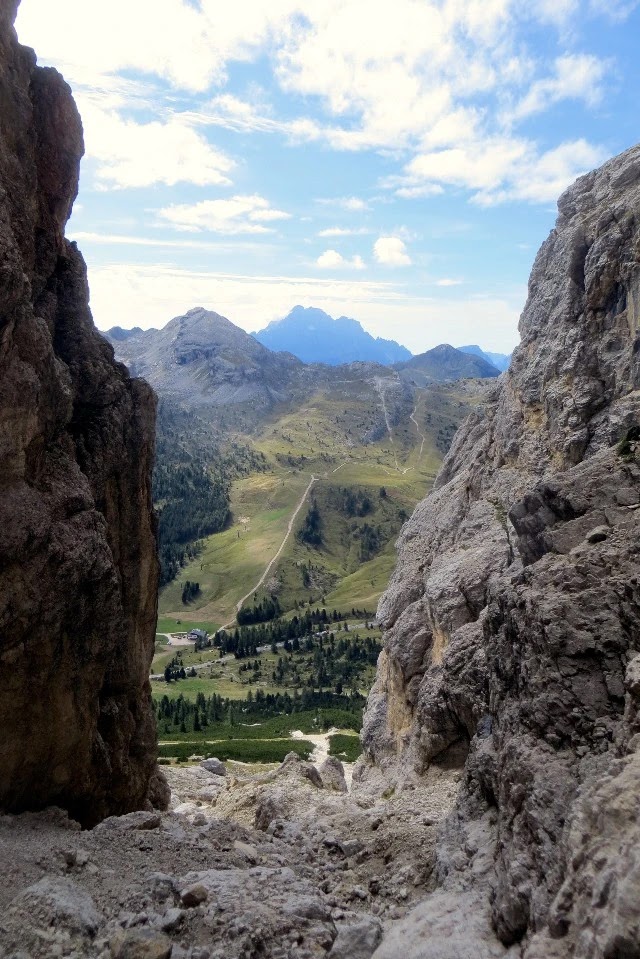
(445,362)
(499,360)
(118,333)
(315,337)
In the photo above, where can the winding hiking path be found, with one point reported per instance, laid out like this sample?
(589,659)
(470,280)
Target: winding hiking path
(277,555)
(420,433)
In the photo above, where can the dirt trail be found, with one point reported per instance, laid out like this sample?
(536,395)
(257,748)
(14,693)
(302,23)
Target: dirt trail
(380,391)
(420,433)
(277,555)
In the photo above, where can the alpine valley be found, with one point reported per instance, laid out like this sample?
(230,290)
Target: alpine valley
(282,480)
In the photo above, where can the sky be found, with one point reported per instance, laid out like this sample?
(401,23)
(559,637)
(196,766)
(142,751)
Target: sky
(396,161)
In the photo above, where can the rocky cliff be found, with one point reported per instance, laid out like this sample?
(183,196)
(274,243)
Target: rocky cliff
(513,619)
(78,569)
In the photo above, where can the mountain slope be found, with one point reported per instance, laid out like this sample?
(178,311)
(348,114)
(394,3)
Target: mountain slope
(315,337)
(233,463)
(499,360)
(205,360)
(444,362)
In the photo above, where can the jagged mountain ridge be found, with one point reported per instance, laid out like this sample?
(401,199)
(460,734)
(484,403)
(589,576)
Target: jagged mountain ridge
(513,618)
(315,337)
(202,359)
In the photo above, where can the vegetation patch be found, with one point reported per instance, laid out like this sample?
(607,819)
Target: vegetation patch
(240,750)
(345,748)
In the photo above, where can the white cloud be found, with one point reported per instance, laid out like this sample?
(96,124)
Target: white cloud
(186,44)
(391,251)
(344,231)
(429,76)
(332,260)
(448,281)
(353,204)
(616,10)
(119,240)
(129,153)
(237,214)
(419,192)
(575,77)
(505,168)
(148,295)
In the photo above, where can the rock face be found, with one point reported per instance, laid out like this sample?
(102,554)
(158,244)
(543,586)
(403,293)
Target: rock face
(513,619)
(78,569)
(203,359)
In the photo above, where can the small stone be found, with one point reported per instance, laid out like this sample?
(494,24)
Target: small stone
(332,774)
(358,893)
(171,920)
(161,886)
(627,496)
(358,940)
(140,944)
(133,820)
(64,903)
(194,895)
(82,858)
(245,849)
(598,534)
(350,847)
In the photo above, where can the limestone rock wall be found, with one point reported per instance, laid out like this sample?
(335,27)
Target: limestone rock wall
(513,618)
(78,568)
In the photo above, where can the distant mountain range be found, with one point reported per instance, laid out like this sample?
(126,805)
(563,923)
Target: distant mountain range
(443,363)
(315,337)
(499,360)
(203,360)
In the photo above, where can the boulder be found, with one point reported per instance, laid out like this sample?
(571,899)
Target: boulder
(332,775)
(214,766)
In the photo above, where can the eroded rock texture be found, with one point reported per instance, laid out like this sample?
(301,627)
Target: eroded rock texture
(513,619)
(78,570)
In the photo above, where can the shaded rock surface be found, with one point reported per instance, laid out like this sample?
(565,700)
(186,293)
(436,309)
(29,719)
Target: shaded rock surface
(513,618)
(78,570)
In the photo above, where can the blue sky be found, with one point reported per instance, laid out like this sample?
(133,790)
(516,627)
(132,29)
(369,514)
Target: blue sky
(397,161)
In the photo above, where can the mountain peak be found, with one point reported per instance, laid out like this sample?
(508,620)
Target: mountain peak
(316,337)
(445,362)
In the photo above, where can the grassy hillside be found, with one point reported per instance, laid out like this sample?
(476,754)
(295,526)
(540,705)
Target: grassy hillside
(364,452)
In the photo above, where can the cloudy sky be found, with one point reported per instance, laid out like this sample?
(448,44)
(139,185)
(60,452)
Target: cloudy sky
(397,161)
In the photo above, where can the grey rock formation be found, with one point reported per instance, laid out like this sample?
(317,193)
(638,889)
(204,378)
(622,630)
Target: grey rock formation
(78,570)
(332,774)
(513,618)
(205,360)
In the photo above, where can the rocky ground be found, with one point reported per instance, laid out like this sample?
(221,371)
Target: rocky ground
(282,864)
